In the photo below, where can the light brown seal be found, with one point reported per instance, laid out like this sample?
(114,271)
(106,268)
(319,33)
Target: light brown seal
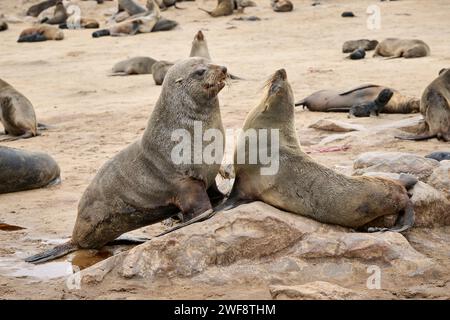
(398,48)
(281,5)
(334,101)
(223,8)
(159,71)
(142,184)
(136,65)
(24,170)
(435,108)
(305,187)
(16,114)
(40,33)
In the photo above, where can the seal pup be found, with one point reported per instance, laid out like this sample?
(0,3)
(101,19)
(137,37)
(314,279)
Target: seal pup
(136,65)
(358,54)
(301,185)
(24,170)
(435,109)
(59,15)
(142,184)
(335,101)
(281,5)
(16,113)
(371,108)
(223,8)
(439,155)
(40,33)
(352,45)
(406,48)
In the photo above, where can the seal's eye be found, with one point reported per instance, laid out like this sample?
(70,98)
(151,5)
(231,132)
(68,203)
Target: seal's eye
(200,72)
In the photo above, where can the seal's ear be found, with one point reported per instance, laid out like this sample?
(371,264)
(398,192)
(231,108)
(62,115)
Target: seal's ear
(442,71)
(179,80)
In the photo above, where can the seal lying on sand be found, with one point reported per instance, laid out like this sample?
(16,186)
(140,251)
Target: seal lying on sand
(136,65)
(223,8)
(23,170)
(36,9)
(143,184)
(371,108)
(406,48)
(352,45)
(281,5)
(334,101)
(303,186)
(40,33)
(435,108)
(16,114)
(144,23)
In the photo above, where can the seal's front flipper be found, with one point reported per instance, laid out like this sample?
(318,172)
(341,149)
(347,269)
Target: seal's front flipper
(404,221)
(52,254)
(26,135)
(201,217)
(126,240)
(214,194)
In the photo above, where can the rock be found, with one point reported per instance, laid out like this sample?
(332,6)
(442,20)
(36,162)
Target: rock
(259,243)
(335,126)
(431,206)
(440,178)
(395,162)
(318,290)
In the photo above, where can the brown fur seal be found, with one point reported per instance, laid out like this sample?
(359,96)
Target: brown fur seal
(59,15)
(23,170)
(281,5)
(302,186)
(40,33)
(36,9)
(16,113)
(223,8)
(199,48)
(406,48)
(435,108)
(352,45)
(334,101)
(141,23)
(142,184)
(159,71)
(136,65)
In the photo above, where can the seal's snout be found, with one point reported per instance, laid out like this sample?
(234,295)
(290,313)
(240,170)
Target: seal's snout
(281,74)
(199,36)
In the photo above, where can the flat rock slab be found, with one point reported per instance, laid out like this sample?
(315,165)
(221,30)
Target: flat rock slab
(336,126)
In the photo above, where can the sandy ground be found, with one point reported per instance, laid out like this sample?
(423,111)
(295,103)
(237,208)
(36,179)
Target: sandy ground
(95,115)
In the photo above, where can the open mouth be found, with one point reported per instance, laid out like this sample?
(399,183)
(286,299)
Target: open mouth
(218,85)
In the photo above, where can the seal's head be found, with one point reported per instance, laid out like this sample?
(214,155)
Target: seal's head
(196,78)
(279,94)
(385,95)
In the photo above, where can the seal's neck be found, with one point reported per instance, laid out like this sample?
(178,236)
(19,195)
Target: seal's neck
(3,84)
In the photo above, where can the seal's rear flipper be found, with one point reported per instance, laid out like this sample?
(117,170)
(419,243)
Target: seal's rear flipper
(208,12)
(36,37)
(201,217)
(301,103)
(404,221)
(233,77)
(416,138)
(52,254)
(101,33)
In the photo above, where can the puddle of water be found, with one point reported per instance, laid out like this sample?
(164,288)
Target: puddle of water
(9,227)
(85,258)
